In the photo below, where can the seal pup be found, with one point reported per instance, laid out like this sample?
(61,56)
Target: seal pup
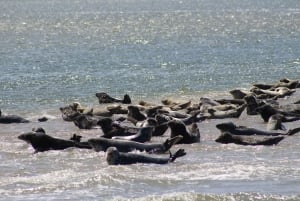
(143,135)
(226,138)
(102,144)
(190,134)
(8,119)
(105,98)
(114,157)
(42,142)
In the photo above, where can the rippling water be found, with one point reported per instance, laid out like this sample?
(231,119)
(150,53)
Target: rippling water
(55,52)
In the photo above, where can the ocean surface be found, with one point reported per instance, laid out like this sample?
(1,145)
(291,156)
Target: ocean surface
(55,52)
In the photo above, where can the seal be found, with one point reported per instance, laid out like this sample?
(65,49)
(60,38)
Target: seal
(114,157)
(8,119)
(143,135)
(105,98)
(226,138)
(238,94)
(175,105)
(111,128)
(190,134)
(42,142)
(279,92)
(134,114)
(231,128)
(218,114)
(266,111)
(102,144)
(84,121)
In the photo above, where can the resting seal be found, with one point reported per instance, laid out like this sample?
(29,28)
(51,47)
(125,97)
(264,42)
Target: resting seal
(226,138)
(232,113)
(231,128)
(114,157)
(105,98)
(43,142)
(143,135)
(102,144)
(8,119)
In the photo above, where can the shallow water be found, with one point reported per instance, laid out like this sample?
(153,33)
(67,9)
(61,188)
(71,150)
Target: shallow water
(53,53)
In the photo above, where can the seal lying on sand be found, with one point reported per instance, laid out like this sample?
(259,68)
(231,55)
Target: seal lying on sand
(231,128)
(226,138)
(232,113)
(105,98)
(143,135)
(43,142)
(102,144)
(8,119)
(114,157)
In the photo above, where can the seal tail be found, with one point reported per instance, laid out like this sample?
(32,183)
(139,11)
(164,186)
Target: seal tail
(178,153)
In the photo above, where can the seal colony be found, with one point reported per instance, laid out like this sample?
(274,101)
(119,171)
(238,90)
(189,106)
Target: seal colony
(128,127)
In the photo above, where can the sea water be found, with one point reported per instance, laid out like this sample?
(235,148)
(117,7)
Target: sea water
(53,53)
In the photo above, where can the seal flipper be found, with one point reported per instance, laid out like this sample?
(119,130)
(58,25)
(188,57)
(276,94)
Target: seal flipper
(171,141)
(178,153)
(293,131)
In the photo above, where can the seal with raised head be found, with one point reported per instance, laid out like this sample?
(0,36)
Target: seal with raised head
(102,144)
(135,115)
(114,157)
(190,134)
